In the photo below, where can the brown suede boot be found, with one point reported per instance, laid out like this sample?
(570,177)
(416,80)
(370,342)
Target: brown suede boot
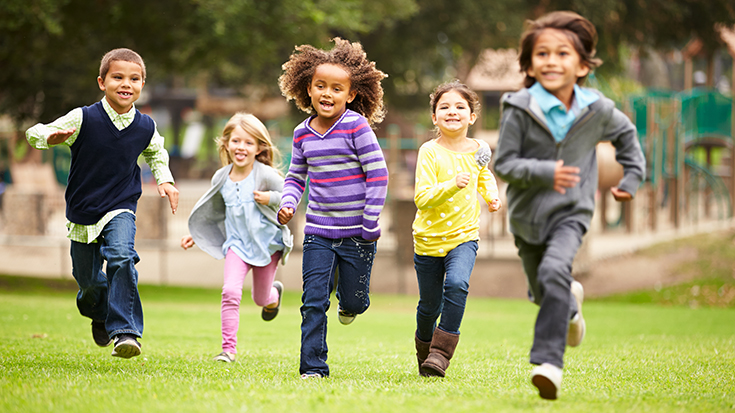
(422,352)
(440,352)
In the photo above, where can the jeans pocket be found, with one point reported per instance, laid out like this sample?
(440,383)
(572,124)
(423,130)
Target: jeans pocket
(361,241)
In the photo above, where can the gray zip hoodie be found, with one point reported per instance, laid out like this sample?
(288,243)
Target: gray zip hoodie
(526,159)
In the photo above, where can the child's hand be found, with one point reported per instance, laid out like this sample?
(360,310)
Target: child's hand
(166,189)
(565,177)
(60,136)
(495,205)
(285,215)
(463,179)
(620,195)
(187,242)
(262,197)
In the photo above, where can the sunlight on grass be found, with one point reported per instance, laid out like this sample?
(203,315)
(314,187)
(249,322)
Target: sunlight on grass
(635,357)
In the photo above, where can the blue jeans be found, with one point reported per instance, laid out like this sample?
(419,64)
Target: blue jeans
(440,295)
(112,297)
(353,258)
(548,269)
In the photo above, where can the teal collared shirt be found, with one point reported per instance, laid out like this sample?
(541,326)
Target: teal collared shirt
(558,119)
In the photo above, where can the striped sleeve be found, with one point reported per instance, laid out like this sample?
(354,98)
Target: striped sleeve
(295,182)
(376,180)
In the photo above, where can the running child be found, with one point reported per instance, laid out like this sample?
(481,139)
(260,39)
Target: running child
(450,171)
(102,195)
(236,219)
(546,154)
(336,149)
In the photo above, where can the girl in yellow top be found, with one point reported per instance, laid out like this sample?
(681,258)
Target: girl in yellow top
(450,171)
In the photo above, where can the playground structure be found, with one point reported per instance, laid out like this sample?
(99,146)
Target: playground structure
(687,139)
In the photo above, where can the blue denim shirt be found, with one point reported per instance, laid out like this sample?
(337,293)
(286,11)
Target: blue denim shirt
(250,234)
(558,119)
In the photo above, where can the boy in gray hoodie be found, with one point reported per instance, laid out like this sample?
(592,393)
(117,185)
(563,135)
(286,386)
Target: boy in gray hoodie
(546,154)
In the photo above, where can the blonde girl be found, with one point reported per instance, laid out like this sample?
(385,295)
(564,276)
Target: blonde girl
(236,219)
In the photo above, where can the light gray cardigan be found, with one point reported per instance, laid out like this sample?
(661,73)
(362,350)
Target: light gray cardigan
(207,219)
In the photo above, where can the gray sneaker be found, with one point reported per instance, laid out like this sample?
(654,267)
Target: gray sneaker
(126,346)
(269,314)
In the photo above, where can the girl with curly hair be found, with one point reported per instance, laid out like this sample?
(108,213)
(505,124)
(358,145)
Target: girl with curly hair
(450,171)
(336,149)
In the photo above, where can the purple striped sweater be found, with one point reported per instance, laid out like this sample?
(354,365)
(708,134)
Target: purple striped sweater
(348,178)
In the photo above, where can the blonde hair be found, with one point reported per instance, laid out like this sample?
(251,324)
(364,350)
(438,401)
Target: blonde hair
(269,154)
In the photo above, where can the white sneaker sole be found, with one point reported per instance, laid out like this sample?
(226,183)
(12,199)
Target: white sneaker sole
(577,328)
(547,379)
(127,349)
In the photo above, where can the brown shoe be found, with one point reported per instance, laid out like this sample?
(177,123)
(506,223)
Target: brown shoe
(422,352)
(440,352)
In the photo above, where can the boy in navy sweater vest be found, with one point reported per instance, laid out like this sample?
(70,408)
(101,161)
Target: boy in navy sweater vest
(102,194)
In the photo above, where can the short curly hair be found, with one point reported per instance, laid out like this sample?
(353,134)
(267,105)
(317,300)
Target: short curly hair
(365,78)
(580,32)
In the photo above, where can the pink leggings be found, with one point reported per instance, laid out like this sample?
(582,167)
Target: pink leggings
(263,293)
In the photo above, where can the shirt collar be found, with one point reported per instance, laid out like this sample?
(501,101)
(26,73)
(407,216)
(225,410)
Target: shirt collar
(546,101)
(129,116)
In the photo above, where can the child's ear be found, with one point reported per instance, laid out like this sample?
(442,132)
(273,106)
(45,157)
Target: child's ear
(473,118)
(101,83)
(433,118)
(353,95)
(583,70)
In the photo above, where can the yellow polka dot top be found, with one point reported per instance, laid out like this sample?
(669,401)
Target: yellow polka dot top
(447,215)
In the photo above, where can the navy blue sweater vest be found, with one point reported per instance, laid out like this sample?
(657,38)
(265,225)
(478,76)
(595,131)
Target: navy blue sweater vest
(104,174)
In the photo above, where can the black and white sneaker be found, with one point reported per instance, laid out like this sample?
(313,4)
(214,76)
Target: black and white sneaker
(99,334)
(126,346)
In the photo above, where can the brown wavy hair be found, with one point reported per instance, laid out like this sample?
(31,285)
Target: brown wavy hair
(365,78)
(580,31)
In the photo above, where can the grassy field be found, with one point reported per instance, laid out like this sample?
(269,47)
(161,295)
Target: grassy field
(636,357)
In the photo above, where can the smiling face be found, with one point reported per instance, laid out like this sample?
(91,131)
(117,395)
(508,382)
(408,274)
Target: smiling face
(453,115)
(330,92)
(556,64)
(122,85)
(243,148)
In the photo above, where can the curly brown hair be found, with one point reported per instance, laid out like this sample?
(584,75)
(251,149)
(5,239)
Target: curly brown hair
(365,78)
(580,31)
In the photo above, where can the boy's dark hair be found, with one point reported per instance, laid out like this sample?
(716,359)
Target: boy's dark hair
(126,55)
(580,31)
(364,77)
(467,94)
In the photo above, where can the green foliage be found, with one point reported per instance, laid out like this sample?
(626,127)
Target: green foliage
(634,358)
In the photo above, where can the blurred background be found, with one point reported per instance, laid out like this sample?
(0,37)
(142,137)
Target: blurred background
(668,65)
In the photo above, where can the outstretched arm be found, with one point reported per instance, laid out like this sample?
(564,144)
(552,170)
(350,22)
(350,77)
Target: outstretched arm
(63,130)
(170,191)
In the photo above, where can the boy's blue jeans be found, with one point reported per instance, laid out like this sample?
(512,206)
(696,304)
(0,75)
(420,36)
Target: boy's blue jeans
(112,297)
(353,257)
(443,295)
(548,269)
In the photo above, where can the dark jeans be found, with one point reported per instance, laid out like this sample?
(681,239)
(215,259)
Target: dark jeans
(323,257)
(440,295)
(548,269)
(112,297)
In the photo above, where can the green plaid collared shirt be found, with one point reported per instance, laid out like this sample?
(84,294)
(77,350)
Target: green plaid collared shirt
(155,156)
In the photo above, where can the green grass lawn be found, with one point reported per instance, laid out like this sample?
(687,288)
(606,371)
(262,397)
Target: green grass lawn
(636,357)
